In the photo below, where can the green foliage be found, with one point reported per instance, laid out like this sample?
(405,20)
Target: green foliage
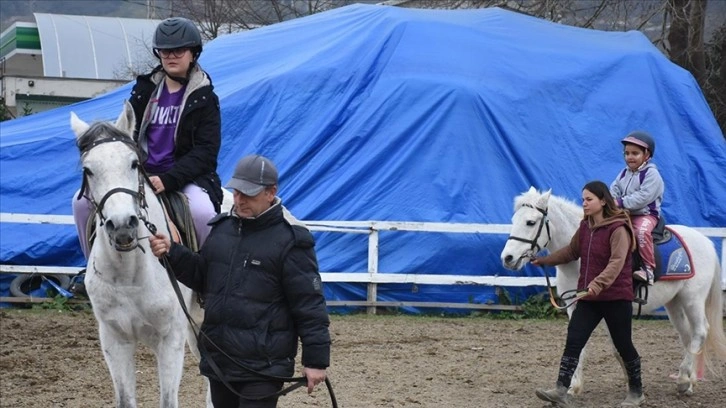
(539,307)
(4,113)
(59,302)
(27,109)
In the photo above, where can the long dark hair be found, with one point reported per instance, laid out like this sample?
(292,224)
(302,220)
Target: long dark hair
(610,209)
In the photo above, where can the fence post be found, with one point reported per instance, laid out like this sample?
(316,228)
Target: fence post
(372,268)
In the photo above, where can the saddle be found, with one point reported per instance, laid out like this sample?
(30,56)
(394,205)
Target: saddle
(178,215)
(178,212)
(672,260)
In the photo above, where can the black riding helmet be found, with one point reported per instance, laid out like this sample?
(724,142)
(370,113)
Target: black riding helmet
(642,139)
(177,32)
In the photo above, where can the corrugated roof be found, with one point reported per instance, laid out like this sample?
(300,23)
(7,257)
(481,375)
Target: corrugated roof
(94,47)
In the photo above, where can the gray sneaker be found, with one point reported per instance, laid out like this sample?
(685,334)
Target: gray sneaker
(649,275)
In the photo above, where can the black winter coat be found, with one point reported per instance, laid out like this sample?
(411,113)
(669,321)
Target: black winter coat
(198,136)
(262,291)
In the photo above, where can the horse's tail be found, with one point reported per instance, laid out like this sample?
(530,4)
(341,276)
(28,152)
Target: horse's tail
(715,345)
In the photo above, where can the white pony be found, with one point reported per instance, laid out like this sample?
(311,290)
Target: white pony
(130,292)
(694,305)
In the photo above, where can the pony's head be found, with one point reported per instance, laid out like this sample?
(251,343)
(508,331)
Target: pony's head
(112,177)
(530,229)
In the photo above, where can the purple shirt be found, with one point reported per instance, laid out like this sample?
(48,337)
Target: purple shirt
(161,129)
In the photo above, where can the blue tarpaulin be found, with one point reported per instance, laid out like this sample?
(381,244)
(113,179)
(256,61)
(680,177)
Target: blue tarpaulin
(384,113)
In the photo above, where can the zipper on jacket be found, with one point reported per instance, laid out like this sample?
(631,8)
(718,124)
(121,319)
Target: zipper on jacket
(587,265)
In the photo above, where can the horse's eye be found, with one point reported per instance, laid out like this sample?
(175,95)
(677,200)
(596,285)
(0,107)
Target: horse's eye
(531,223)
(87,171)
(135,165)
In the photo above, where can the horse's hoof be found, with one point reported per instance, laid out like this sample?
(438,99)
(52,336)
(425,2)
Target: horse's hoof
(685,389)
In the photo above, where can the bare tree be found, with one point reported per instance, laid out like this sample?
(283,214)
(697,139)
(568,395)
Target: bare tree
(216,17)
(685,36)
(715,83)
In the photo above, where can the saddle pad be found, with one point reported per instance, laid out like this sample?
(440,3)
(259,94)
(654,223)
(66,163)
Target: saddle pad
(675,258)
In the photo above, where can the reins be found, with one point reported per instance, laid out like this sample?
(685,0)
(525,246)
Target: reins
(574,295)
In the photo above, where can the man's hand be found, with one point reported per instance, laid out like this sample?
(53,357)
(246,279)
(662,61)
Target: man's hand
(315,376)
(160,244)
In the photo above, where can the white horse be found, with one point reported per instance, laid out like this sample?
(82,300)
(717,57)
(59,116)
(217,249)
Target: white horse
(694,305)
(130,292)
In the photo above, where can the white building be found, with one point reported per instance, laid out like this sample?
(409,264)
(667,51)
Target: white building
(61,59)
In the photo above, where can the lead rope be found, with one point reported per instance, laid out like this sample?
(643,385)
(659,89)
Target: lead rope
(575,294)
(297,381)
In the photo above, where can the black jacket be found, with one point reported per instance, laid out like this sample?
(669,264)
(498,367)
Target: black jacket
(198,134)
(262,291)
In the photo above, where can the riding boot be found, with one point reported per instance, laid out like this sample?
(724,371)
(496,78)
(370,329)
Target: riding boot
(558,395)
(635,395)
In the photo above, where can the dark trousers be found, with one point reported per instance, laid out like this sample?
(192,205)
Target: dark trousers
(618,315)
(223,397)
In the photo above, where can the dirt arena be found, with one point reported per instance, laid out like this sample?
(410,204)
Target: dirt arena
(53,359)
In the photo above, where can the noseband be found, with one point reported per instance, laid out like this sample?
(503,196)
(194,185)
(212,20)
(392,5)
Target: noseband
(543,222)
(138,195)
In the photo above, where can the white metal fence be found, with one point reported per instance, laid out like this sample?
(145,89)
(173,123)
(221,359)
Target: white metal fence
(372,276)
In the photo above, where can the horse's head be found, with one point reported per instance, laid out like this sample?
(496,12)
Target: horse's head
(530,229)
(112,176)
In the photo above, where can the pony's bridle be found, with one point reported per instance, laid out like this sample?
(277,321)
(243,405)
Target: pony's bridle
(544,223)
(567,298)
(139,195)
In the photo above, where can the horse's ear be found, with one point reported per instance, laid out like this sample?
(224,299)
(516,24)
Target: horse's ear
(79,127)
(544,199)
(126,121)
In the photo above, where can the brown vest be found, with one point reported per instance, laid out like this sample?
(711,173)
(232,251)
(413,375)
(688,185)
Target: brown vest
(594,256)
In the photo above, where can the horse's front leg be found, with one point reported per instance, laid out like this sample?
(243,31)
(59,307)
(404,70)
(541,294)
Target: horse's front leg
(119,355)
(577,383)
(170,363)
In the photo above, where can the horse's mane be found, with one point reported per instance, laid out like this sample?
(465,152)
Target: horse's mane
(557,207)
(98,131)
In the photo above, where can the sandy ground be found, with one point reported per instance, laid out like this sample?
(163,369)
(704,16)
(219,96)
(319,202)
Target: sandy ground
(53,359)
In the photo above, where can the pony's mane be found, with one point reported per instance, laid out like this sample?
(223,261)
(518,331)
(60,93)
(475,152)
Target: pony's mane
(555,203)
(97,131)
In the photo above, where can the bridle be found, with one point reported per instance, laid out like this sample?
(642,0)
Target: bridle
(558,302)
(139,195)
(544,223)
